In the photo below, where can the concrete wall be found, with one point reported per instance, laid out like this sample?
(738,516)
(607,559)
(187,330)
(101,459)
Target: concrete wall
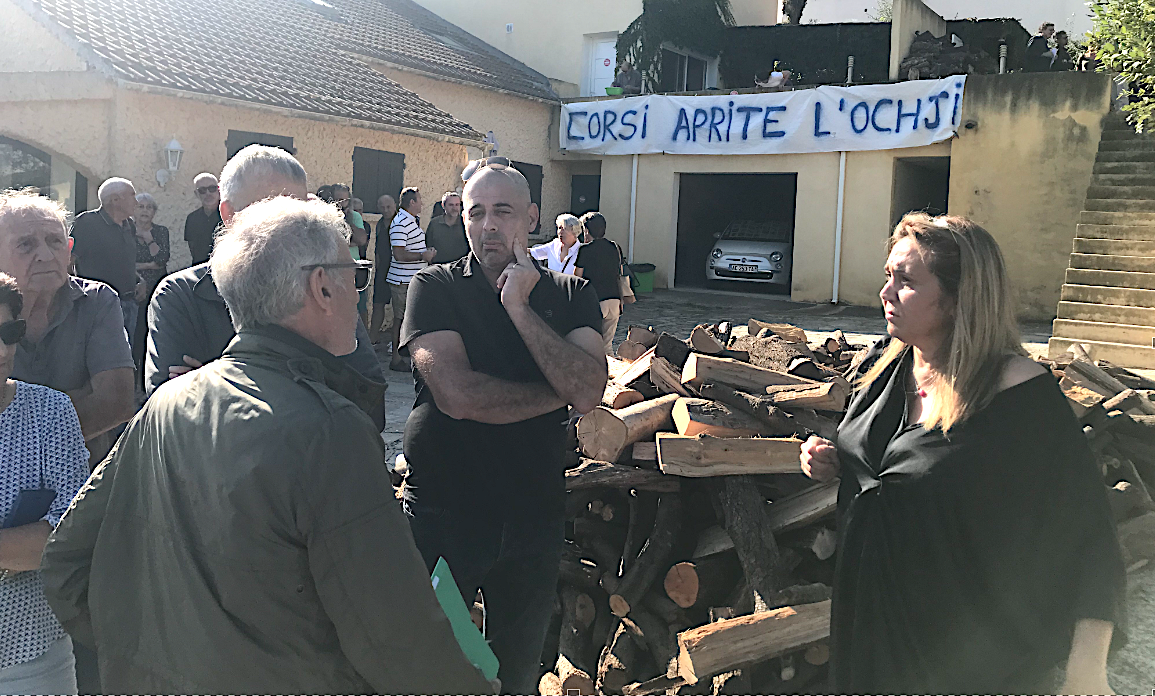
(1071,15)
(29,47)
(910,17)
(1023,170)
(546,36)
(522,128)
(866,223)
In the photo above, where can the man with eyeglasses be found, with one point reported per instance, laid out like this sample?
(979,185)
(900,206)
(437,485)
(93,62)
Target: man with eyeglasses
(502,348)
(188,322)
(202,224)
(244,536)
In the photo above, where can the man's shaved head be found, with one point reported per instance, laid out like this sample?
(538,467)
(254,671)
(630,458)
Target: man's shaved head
(519,186)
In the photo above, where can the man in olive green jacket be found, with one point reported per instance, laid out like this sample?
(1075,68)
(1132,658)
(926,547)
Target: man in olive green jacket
(243,536)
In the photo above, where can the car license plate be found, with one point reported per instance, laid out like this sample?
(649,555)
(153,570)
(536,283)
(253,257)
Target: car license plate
(743,269)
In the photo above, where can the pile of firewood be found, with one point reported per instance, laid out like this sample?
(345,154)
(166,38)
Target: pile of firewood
(1115,408)
(699,559)
(932,57)
(698,556)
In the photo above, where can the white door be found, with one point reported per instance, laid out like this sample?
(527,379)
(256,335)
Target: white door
(605,55)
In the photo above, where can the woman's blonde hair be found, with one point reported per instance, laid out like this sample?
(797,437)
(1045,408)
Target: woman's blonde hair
(977,294)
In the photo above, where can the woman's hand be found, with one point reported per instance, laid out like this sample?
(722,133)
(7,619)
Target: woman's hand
(819,459)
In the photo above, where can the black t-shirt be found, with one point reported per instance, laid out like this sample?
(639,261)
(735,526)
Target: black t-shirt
(199,230)
(1038,57)
(463,464)
(601,264)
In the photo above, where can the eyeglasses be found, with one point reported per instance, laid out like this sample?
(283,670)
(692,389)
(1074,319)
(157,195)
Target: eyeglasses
(202,190)
(477,165)
(365,265)
(12,332)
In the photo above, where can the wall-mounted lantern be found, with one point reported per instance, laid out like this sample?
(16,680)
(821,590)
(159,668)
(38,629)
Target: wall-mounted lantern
(173,153)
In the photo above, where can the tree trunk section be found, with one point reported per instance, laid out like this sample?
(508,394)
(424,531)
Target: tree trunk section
(603,434)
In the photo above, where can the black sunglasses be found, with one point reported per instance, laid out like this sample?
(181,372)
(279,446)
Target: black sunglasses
(475,166)
(202,190)
(365,265)
(12,332)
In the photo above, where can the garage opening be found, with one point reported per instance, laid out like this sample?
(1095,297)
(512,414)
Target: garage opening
(736,232)
(920,184)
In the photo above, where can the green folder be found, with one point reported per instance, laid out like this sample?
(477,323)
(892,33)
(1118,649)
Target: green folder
(468,637)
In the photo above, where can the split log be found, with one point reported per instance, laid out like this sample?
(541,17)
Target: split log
(657,685)
(653,559)
(803,508)
(629,350)
(595,474)
(701,582)
(737,682)
(644,335)
(771,352)
(726,644)
(571,662)
(638,368)
(550,685)
(759,407)
(799,594)
(616,367)
(787,331)
(748,524)
(645,452)
(617,662)
(643,512)
(673,350)
(807,368)
(840,342)
(666,379)
(1089,371)
(707,368)
(702,455)
(703,341)
(603,434)
(1137,539)
(711,541)
(617,396)
(703,416)
(1103,413)
(1127,377)
(823,396)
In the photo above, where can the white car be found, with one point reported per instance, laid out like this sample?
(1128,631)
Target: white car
(757,252)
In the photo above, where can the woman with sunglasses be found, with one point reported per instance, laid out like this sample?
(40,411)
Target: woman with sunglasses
(43,463)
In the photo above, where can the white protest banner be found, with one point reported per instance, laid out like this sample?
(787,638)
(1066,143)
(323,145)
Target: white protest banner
(824,119)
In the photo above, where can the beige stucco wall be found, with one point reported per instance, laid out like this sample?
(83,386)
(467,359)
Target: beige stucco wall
(866,221)
(1023,171)
(29,47)
(909,18)
(522,128)
(546,36)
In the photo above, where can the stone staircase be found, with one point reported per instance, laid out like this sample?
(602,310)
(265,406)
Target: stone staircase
(1108,299)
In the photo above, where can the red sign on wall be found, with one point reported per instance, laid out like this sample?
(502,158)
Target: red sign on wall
(607,62)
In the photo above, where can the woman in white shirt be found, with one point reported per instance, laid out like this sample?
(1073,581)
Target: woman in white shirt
(561,254)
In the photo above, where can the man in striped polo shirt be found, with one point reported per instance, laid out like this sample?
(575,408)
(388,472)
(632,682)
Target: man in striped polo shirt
(410,254)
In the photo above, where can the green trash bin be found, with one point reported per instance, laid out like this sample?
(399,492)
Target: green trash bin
(644,272)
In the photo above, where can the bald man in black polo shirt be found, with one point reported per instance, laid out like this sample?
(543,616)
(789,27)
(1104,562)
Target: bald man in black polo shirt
(501,347)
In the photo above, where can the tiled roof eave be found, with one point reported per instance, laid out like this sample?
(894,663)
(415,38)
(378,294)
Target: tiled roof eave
(477,139)
(376,61)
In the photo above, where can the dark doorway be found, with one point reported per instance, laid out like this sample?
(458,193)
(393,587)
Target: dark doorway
(376,173)
(920,184)
(585,193)
(533,175)
(708,203)
(80,194)
(239,140)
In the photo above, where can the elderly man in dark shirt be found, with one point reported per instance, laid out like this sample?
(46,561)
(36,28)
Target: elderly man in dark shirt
(188,322)
(104,245)
(202,224)
(501,348)
(446,232)
(76,342)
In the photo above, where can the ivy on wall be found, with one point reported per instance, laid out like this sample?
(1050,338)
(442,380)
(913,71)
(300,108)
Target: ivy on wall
(692,25)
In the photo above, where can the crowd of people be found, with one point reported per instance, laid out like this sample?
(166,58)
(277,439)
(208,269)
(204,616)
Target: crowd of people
(243,534)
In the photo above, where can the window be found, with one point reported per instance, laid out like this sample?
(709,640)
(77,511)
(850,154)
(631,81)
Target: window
(533,175)
(24,166)
(239,140)
(683,73)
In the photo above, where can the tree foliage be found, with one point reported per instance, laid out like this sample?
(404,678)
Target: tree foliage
(693,25)
(792,11)
(1124,34)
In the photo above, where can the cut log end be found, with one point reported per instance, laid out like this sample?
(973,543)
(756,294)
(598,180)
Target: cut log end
(619,606)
